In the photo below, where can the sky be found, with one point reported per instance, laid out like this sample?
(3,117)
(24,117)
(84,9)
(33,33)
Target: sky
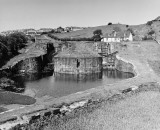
(21,14)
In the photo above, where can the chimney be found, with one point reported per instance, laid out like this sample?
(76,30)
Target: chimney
(115,33)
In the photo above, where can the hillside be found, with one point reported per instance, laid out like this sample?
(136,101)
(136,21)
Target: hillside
(140,31)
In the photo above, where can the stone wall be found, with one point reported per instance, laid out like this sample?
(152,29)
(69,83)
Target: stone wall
(29,65)
(77,65)
(124,66)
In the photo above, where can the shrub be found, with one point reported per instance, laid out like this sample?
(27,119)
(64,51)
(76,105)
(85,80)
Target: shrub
(151,32)
(97,32)
(149,23)
(147,38)
(110,23)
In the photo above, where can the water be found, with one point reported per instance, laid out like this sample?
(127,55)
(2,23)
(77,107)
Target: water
(64,84)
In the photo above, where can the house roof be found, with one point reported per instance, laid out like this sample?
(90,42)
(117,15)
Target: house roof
(78,50)
(115,34)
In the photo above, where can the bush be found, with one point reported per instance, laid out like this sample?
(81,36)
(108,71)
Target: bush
(97,38)
(149,23)
(97,32)
(151,32)
(110,23)
(147,38)
(10,45)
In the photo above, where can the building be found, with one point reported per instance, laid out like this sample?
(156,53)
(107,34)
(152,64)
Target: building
(31,33)
(107,52)
(60,30)
(45,29)
(118,36)
(77,59)
(102,47)
(71,29)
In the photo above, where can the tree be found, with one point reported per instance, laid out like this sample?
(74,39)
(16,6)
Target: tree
(96,38)
(97,35)
(15,42)
(3,39)
(97,32)
(3,50)
(109,23)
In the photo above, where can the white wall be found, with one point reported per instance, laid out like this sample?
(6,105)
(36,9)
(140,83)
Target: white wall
(130,37)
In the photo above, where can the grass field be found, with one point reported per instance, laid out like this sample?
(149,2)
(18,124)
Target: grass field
(139,31)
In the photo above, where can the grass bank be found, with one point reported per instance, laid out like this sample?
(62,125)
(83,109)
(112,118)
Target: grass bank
(115,112)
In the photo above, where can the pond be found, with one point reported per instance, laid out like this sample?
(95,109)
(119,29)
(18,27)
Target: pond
(57,85)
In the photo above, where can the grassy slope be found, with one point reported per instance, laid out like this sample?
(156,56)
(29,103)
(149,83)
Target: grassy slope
(139,30)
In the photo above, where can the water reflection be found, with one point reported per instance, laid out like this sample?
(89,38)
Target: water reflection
(115,74)
(24,77)
(64,84)
(77,77)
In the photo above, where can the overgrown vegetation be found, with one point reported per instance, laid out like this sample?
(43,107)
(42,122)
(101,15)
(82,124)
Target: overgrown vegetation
(10,45)
(97,35)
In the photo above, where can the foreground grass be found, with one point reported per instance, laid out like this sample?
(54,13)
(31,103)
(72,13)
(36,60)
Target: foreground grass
(132,110)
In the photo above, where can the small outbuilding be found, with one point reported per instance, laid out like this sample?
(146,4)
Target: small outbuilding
(77,59)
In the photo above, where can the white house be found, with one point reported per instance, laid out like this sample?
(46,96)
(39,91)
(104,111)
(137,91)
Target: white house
(31,32)
(118,37)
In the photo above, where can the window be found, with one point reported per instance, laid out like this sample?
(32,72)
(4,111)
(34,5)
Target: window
(78,63)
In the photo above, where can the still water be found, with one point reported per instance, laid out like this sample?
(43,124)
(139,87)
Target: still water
(58,85)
